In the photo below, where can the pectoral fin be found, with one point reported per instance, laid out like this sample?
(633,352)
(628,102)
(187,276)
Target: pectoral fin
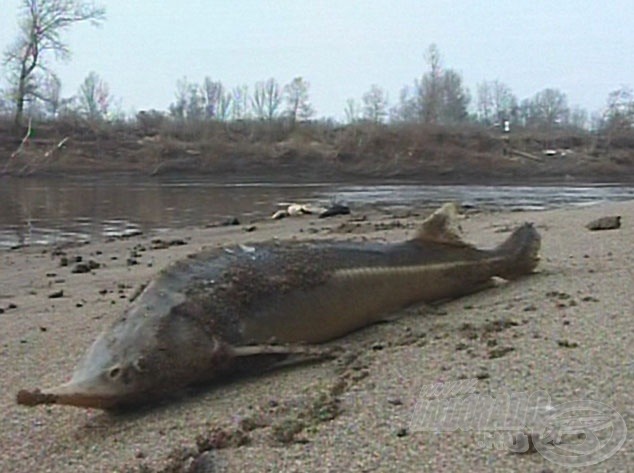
(294,354)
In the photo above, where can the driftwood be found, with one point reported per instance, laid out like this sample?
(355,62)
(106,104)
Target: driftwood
(524,154)
(19,149)
(46,158)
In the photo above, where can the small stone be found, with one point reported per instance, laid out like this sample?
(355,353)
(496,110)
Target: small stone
(500,352)
(231,221)
(56,294)
(482,375)
(605,223)
(402,432)
(203,463)
(80,269)
(523,442)
(567,344)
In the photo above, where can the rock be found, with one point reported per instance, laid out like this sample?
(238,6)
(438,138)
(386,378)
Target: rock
(231,221)
(567,343)
(56,294)
(158,244)
(85,267)
(605,223)
(499,352)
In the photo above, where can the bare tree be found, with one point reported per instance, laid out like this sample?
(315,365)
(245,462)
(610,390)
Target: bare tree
(352,111)
(177,108)
(190,104)
(495,102)
(298,106)
(41,25)
(619,114)
(266,99)
(549,108)
(212,92)
(195,110)
(52,95)
(578,118)
(224,106)
(439,97)
(430,86)
(454,99)
(375,104)
(484,103)
(94,99)
(240,102)
(408,107)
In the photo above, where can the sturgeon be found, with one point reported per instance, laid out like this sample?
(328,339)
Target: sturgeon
(223,310)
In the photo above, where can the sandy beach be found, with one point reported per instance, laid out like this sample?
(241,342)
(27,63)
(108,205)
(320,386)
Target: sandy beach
(567,330)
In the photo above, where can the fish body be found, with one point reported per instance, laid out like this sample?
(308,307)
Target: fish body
(216,311)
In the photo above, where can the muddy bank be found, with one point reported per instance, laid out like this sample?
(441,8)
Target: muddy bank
(316,152)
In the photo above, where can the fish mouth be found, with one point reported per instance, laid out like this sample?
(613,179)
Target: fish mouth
(69,394)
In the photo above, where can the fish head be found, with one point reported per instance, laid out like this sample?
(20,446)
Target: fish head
(135,361)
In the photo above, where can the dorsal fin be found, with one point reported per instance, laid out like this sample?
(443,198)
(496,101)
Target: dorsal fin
(442,227)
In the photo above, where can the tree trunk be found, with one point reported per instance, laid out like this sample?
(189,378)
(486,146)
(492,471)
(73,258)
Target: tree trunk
(19,101)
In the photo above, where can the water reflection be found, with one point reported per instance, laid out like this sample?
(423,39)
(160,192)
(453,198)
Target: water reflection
(36,210)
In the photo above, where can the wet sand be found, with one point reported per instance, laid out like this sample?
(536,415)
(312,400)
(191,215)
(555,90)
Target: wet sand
(567,330)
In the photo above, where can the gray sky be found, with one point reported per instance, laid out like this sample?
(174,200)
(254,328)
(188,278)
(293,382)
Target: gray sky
(342,47)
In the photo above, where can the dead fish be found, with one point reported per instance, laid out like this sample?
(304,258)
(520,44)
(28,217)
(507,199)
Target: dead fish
(221,311)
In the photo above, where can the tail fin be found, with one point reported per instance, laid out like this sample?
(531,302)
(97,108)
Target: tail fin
(522,250)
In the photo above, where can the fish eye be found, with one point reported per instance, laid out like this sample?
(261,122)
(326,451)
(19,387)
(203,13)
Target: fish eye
(114,372)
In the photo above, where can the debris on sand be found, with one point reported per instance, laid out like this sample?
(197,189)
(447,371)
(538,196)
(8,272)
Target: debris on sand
(336,209)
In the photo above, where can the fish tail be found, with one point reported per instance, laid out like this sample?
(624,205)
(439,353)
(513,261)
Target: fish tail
(521,251)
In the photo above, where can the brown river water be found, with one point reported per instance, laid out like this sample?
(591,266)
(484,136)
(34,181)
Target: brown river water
(57,210)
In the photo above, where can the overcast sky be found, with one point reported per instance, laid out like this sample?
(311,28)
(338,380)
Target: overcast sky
(342,47)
